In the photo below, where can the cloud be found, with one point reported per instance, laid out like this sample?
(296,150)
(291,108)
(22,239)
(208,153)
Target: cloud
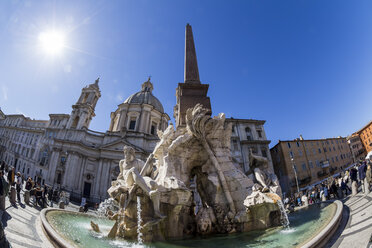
(4,92)
(119,98)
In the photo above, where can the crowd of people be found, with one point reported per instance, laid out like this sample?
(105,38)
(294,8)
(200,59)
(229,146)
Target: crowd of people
(338,187)
(41,195)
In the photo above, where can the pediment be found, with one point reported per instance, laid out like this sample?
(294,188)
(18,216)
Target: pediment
(119,145)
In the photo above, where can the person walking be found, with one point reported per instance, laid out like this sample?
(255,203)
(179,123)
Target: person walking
(19,186)
(362,174)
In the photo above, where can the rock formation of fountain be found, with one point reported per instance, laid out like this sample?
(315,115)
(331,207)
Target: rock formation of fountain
(198,154)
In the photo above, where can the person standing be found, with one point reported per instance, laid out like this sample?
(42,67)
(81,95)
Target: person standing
(354,179)
(19,186)
(368,178)
(362,174)
(11,176)
(4,187)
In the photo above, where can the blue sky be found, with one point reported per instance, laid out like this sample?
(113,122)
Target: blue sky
(303,66)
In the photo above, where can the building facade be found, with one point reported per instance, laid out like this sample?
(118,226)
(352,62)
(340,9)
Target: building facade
(365,135)
(248,134)
(63,152)
(311,160)
(357,148)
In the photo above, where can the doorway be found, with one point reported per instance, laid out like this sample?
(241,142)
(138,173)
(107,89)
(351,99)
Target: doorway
(86,192)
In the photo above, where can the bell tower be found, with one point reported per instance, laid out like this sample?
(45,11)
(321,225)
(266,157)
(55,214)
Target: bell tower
(192,91)
(83,111)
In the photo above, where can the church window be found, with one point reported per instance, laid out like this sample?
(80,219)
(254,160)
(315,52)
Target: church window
(153,128)
(263,152)
(248,132)
(289,145)
(63,160)
(233,128)
(259,132)
(304,167)
(44,157)
(291,154)
(59,178)
(311,164)
(235,145)
(132,124)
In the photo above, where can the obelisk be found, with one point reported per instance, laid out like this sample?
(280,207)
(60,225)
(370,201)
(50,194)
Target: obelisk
(191,91)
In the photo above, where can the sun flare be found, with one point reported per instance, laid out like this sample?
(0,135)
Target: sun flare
(52,42)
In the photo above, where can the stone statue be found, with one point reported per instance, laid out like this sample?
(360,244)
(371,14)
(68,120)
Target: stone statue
(195,158)
(135,173)
(268,182)
(95,227)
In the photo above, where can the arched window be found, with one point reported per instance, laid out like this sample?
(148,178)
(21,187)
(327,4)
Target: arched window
(248,133)
(44,157)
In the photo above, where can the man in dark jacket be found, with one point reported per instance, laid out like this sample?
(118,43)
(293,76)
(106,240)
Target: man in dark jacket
(11,176)
(353,174)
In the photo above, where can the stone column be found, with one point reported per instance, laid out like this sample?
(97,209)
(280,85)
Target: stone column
(97,180)
(106,178)
(52,167)
(80,174)
(123,118)
(70,171)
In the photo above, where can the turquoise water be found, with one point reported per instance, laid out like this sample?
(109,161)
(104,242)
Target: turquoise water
(305,224)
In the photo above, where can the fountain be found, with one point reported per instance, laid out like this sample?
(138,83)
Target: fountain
(158,204)
(139,221)
(189,187)
(284,216)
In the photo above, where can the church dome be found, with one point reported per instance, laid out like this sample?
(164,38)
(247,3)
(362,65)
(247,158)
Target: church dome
(145,96)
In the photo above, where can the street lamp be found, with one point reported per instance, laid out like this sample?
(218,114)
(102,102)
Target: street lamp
(295,172)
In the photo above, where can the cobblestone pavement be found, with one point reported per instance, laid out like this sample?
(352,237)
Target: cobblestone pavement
(358,229)
(22,225)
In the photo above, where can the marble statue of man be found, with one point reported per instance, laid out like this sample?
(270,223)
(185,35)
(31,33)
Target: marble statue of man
(264,177)
(135,173)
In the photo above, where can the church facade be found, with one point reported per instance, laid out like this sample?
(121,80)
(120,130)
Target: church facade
(63,152)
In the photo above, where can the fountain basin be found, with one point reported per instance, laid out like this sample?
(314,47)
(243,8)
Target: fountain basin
(310,227)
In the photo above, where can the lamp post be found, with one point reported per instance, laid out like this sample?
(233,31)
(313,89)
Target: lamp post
(295,172)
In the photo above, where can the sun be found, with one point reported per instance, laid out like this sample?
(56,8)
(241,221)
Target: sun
(52,42)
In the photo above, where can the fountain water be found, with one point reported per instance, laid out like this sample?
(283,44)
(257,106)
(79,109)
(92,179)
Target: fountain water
(108,204)
(139,221)
(284,217)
